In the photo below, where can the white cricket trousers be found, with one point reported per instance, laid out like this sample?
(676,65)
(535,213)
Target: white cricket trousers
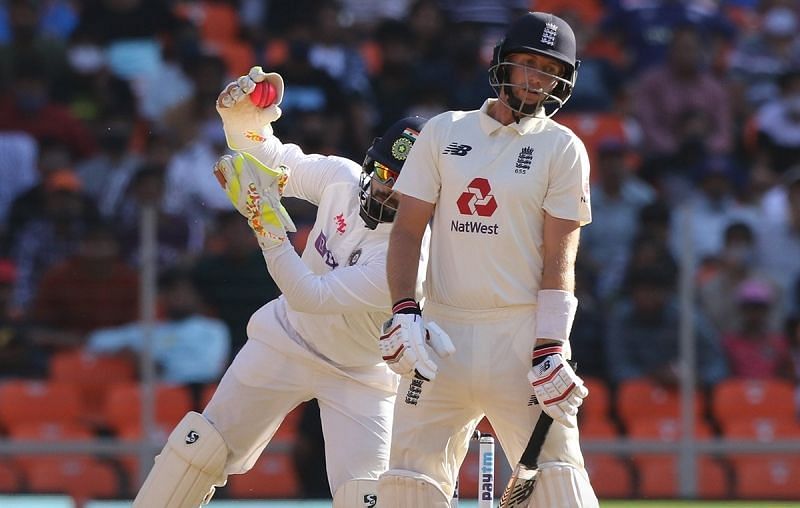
(273,373)
(487,374)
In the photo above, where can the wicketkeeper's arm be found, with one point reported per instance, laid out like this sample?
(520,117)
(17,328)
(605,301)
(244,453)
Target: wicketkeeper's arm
(357,288)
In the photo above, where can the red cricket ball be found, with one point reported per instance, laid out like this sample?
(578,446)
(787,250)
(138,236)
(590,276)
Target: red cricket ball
(264,94)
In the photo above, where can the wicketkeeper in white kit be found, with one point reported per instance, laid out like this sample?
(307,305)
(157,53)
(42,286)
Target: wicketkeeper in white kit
(507,190)
(318,340)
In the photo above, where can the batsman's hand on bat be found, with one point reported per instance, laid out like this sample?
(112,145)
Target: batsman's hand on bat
(559,390)
(404,339)
(255,191)
(246,124)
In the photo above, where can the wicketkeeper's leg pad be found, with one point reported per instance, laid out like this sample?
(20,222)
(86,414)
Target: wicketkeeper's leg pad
(562,485)
(359,492)
(399,488)
(188,468)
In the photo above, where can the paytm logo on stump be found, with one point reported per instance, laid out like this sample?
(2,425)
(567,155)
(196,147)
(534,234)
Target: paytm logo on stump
(476,200)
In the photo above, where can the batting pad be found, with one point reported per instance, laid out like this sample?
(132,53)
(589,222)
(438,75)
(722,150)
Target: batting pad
(399,488)
(186,471)
(562,485)
(360,493)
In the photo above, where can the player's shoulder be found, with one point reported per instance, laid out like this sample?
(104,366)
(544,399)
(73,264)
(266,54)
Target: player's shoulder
(449,120)
(343,171)
(561,134)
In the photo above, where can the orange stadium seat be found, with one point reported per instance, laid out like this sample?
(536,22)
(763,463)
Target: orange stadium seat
(593,128)
(44,432)
(596,428)
(81,479)
(92,374)
(642,398)
(611,476)
(23,401)
(745,398)
(658,478)
(484,427)
(130,462)
(761,429)
(273,476)
(218,21)
(590,11)
(10,478)
(123,404)
(468,476)
(667,430)
(238,56)
(598,403)
(762,477)
(206,393)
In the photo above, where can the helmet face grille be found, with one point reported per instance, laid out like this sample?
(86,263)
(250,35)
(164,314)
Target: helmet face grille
(542,34)
(381,168)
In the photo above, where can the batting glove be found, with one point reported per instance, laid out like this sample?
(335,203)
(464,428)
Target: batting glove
(557,388)
(247,125)
(404,339)
(255,191)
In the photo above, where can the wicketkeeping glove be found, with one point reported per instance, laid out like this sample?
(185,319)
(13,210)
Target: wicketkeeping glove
(404,339)
(247,125)
(557,388)
(255,191)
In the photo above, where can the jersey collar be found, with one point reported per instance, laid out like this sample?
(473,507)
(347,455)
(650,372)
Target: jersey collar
(489,125)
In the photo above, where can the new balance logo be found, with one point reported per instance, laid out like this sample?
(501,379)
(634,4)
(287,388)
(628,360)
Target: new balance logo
(519,495)
(457,149)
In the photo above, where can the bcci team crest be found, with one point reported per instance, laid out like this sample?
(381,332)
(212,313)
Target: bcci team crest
(403,144)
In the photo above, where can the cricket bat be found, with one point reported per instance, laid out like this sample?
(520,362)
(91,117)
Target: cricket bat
(520,486)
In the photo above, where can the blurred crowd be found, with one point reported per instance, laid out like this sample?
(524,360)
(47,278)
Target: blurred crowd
(690,110)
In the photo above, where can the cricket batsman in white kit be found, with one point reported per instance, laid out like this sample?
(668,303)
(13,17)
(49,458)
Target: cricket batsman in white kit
(317,340)
(507,189)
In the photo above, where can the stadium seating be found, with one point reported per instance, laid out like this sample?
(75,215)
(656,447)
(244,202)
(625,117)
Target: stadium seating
(611,476)
(761,477)
(643,399)
(123,404)
(10,478)
(272,476)
(597,405)
(468,476)
(92,375)
(81,479)
(46,432)
(23,401)
(737,398)
(658,477)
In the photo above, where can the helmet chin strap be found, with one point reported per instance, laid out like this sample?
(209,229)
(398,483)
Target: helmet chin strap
(518,108)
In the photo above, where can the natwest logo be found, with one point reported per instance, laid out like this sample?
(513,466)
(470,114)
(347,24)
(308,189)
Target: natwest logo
(477,200)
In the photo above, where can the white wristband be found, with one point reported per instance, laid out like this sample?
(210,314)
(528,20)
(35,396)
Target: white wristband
(555,312)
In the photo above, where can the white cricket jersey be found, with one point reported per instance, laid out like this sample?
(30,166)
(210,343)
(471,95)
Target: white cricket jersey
(337,295)
(492,185)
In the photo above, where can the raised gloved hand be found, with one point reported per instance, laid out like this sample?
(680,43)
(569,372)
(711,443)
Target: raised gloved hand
(255,191)
(405,337)
(557,388)
(247,125)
